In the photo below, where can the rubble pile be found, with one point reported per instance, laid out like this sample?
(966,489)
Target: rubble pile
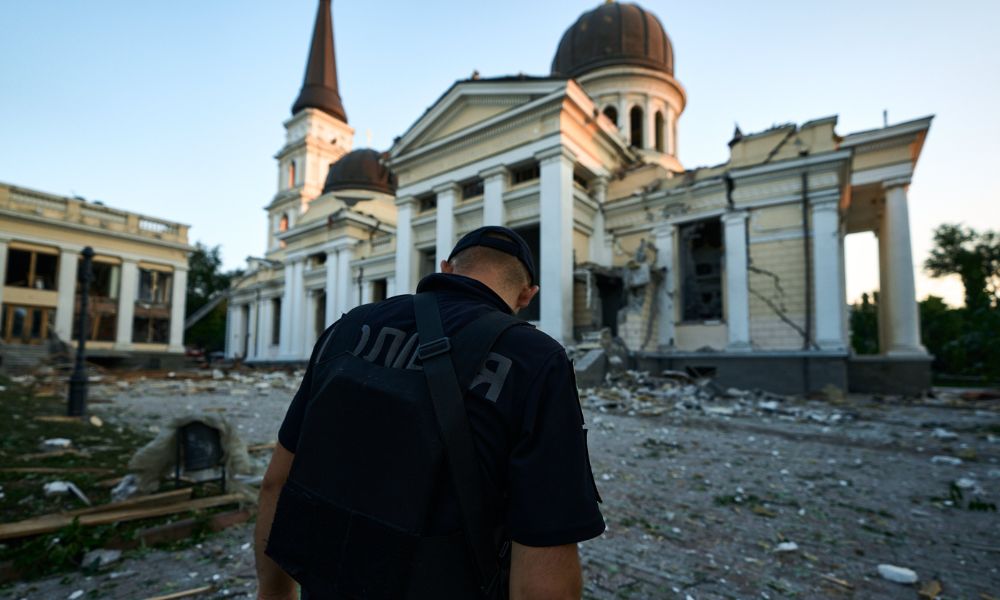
(637,393)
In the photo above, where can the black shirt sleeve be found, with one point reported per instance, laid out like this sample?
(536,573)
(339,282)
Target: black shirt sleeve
(288,434)
(553,497)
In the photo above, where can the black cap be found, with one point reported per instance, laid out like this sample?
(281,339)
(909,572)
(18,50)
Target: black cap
(487,236)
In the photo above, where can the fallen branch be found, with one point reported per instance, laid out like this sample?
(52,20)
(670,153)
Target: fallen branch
(261,447)
(840,582)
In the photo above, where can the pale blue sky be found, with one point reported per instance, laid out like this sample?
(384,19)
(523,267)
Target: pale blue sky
(174,109)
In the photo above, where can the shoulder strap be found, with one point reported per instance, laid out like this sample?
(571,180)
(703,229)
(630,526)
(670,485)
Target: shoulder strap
(472,345)
(449,409)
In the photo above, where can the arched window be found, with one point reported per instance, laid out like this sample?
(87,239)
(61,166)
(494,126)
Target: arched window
(283,223)
(611,113)
(659,131)
(635,126)
(291,174)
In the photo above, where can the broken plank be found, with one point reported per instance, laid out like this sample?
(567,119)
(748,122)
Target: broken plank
(56,470)
(160,499)
(840,582)
(59,419)
(261,447)
(55,454)
(185,593)
(54,522)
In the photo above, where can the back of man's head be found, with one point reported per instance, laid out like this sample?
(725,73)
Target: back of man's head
(508,269)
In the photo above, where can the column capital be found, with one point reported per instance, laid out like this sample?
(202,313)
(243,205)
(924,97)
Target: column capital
(896,182)
(663,229)
(599,185)
(735,216)
(450,186)
(406,201)
(559,152)
(825,206)
(494,172)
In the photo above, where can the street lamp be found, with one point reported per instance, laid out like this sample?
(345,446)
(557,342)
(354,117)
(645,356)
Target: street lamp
(78,380)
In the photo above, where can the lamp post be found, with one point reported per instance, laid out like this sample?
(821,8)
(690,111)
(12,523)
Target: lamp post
(78,380)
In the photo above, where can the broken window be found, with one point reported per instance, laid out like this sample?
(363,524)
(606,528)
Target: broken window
(471,189)
(102,307)
(611,113)
(532,236)
(380,290)
(635,126)
(32,269)
(25,324)
(151,323)
(701,270)
(275,321)
(523,173)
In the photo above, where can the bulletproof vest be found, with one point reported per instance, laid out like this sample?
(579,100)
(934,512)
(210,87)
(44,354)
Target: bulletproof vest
(354,519)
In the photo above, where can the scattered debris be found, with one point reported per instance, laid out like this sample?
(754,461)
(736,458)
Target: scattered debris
(58,488)
(946,460)
(786,547)
(98,559)
(56,444)
(930,590)
(897,574)
(126,488)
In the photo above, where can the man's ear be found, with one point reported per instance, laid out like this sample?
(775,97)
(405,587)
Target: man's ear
(525,296)
(446,267)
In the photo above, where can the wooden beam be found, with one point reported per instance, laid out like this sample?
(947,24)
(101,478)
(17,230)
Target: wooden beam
(184,594)
(54,522)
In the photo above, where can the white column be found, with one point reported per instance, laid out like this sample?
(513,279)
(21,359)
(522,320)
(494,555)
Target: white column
(737,282)
(390,287)
(446,197)
(664,240)
(231,332)
(828,295)
(261,327)
(299,321)
(126,303)
(366,292)
(404,245)
(3,268)
(600,241)
(345,301)
(287,300)
(177,301)
(66,301)
(556,221)
(649,125)
(669,133)
(494,182)
(623,118)
(904,318)
(331,288)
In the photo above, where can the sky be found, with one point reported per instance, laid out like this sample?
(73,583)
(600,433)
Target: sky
(175,109)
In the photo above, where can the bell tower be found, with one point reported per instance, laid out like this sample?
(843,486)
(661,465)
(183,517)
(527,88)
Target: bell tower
(316,135)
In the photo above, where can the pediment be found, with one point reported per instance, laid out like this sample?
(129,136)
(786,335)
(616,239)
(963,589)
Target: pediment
(469,104)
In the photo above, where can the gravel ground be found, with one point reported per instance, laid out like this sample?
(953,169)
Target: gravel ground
(699,500)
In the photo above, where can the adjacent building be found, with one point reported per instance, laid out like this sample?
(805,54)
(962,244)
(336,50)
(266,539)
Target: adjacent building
(735,270)
(136,308)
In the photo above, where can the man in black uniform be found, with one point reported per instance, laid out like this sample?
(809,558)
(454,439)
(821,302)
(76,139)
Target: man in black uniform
(523,412)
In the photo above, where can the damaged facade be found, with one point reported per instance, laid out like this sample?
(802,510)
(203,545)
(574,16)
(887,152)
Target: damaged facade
(735,270)
(137,294)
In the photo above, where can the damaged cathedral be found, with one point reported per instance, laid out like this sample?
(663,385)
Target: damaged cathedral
(734,271)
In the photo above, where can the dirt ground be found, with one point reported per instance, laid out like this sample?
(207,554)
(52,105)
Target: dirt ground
(706,495)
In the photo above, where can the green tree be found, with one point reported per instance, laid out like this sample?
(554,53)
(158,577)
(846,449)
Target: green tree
(206,280)
(864,325)
(973,256)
